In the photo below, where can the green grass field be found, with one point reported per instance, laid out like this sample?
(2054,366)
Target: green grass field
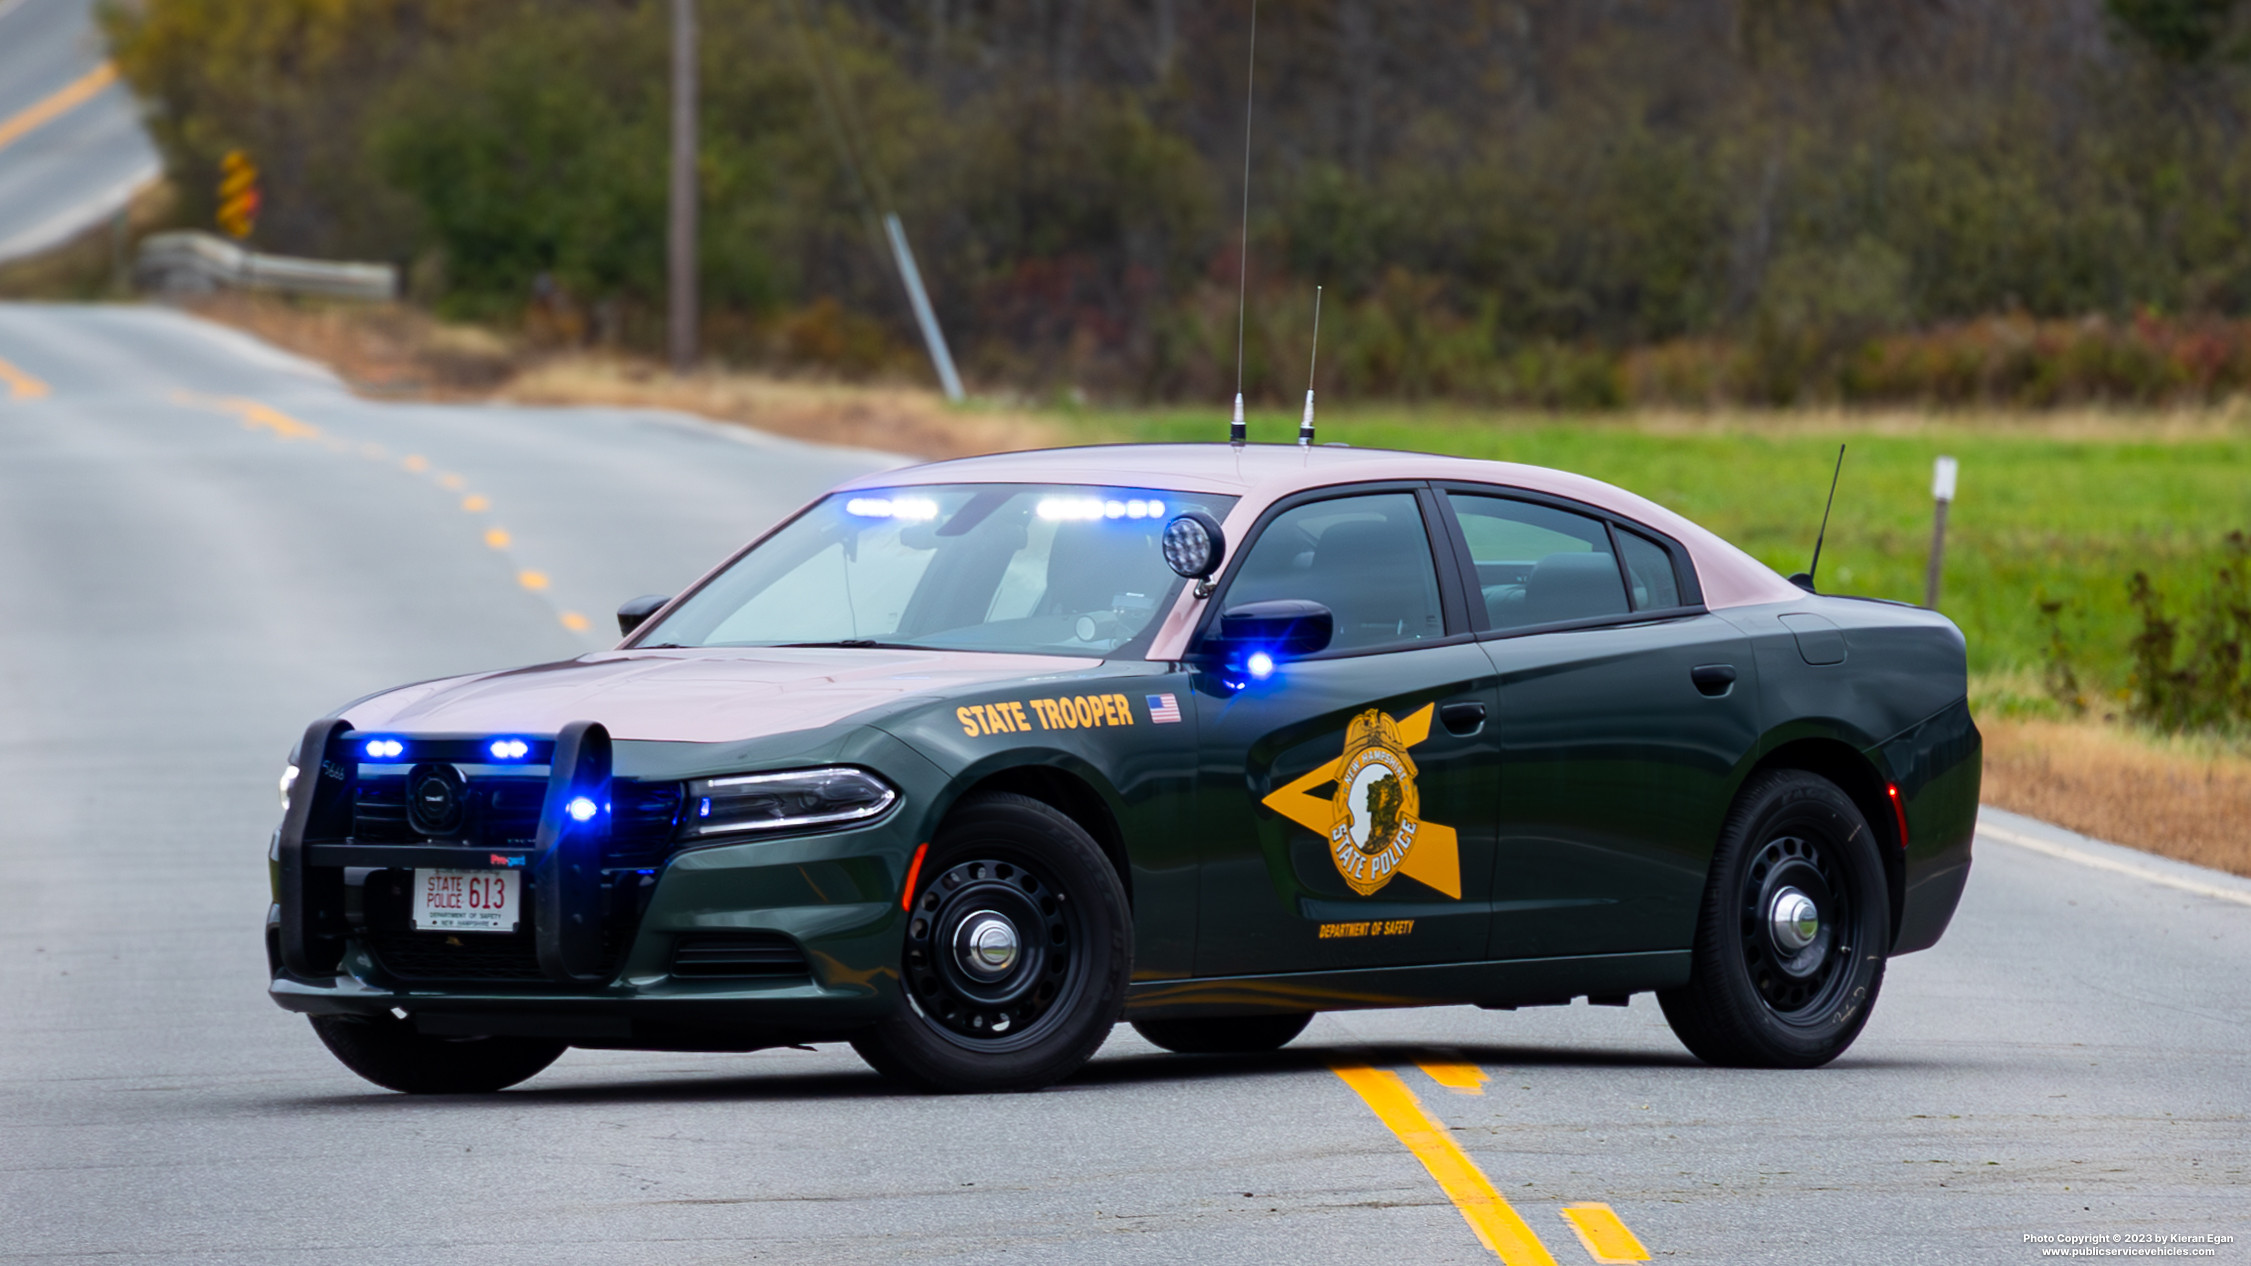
(2061,508)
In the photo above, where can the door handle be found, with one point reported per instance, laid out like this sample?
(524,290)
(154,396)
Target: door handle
(1464,718)
(1713,679)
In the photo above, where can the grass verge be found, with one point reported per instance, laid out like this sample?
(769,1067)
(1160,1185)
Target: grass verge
(2182,798)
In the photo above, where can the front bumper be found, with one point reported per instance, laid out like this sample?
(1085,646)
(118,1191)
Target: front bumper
(834,896)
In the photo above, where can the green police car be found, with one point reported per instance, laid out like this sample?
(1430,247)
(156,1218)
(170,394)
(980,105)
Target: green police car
(964,764)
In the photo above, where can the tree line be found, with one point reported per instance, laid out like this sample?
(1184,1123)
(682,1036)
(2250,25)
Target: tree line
(1567,202)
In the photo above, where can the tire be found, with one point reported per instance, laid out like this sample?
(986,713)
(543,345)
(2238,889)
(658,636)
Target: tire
(1225,1035)
(1755,997)
(387,1051)
(972,1023)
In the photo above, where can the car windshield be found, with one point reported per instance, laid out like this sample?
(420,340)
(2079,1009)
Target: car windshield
(1040,569)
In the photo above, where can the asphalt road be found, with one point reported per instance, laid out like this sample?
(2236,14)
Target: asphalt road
(203,544)
(71,146)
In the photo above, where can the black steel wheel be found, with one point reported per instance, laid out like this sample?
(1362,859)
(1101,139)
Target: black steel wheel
(1016,956)
(1791,942)
(1225,1034)
(388,1051)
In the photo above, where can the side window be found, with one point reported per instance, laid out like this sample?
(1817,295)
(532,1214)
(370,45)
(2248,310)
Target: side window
(1537,565)
(1650,568)
(1365,558)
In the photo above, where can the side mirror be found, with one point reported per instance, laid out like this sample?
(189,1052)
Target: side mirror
(1194,546)
(1287,628)
(632,615)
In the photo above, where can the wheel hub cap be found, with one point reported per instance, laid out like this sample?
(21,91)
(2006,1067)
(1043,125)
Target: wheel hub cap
(986,945)
(1794,920)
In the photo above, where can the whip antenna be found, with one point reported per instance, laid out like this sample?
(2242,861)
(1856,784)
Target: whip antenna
(1305,425)
(1236,432)
(1804,579)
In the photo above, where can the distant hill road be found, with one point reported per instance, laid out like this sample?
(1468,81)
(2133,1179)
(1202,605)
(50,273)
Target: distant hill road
(72,150)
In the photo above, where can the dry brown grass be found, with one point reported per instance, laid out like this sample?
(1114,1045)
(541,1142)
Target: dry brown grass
(892,418)
(396,351)
(2179,798)
(382,350)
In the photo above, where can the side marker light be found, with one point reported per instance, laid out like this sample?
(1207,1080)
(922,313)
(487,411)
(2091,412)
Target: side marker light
(1261,665)
(1898,811)
(914,871)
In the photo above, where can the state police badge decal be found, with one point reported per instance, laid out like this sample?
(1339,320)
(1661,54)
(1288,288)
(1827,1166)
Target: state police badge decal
(1372,819)
(1376,809)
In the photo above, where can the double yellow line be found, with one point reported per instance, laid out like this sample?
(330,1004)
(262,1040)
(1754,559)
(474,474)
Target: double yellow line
(1495,1222)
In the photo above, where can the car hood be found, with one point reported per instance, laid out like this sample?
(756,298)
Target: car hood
(693,696)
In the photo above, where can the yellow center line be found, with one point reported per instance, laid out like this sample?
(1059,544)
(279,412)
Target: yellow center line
(258,416)
(56,104)
(1454,1075)
(1605,1235)
(1496,1223)
(21,386)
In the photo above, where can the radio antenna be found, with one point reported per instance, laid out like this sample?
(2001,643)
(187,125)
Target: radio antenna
(1305,426)
(1804,580)
(1237,433)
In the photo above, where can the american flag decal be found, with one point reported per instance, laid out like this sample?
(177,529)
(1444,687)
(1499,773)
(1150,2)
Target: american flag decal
(1164,710)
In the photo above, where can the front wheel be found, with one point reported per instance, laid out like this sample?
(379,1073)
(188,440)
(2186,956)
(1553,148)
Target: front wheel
(1795,925)
(1017,952)
(389,1052)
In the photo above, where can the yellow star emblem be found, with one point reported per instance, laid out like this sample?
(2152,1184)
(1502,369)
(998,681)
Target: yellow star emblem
(1372,818)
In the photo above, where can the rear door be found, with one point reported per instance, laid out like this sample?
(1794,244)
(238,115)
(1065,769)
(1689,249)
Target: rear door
(1345,807)
(1625,711)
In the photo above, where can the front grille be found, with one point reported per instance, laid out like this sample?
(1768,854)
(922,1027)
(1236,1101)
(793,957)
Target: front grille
(739,956)
(503,813)
(457,955)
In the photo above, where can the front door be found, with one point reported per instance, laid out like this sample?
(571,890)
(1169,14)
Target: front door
(1625,713)
(1346,803)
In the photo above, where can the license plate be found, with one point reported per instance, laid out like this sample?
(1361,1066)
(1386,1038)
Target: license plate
(467,900)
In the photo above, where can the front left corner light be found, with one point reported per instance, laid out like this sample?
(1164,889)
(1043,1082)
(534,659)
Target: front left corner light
(288,780)
(795,800)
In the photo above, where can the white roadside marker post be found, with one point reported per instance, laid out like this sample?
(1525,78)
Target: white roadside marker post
(1942,495)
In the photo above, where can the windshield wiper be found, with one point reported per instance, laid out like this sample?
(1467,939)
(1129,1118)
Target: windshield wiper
(849,643)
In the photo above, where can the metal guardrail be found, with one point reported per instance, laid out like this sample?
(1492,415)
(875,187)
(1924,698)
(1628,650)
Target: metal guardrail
(191,262)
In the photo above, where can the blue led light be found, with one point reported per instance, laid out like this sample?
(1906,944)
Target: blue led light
(581,809)
(1261,665)
(384,749)
(509,749)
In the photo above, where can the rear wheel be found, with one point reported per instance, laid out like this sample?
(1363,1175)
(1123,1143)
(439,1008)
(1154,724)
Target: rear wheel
(389,1052)
(1225,1035)
(1795,926)
(1017,953)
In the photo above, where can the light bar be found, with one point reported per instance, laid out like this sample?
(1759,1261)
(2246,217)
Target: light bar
(1088,509)
(384,749)
(509,749)
(912,509)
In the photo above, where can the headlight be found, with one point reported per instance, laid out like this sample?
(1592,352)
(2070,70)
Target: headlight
(288,780)
(791,801)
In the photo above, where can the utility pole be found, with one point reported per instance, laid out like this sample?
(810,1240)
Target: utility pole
(680,327)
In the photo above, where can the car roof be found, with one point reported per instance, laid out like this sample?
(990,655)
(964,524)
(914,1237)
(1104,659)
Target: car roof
(1260,474)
